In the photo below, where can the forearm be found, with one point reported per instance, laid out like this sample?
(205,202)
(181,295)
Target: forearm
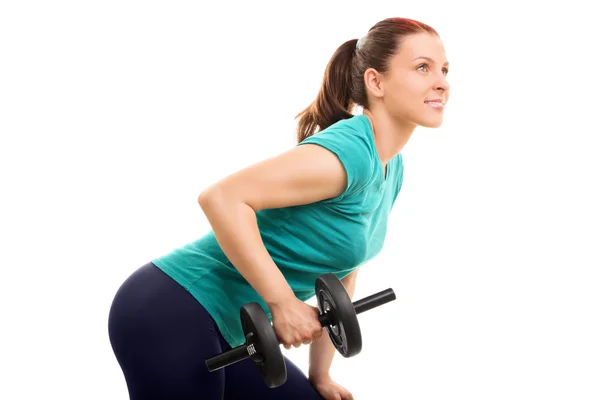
(322,351)
(236,230)
(320,357)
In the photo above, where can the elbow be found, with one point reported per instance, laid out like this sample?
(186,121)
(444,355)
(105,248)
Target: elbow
(217,199)
(204,197)
(209,197)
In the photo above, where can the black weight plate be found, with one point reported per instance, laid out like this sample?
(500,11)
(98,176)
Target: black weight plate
(344,331)
(270,362)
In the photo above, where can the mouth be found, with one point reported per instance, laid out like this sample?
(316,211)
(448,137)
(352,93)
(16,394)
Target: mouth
(437,104)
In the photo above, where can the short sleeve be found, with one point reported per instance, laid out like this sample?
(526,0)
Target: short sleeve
(355,151)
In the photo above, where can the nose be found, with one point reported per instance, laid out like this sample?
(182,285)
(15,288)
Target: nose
(442,83)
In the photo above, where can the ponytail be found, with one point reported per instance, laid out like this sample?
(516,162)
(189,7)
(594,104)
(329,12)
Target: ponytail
(334,101)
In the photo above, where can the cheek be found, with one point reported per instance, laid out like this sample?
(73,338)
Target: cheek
(405,95)
(408,98)
(410,90)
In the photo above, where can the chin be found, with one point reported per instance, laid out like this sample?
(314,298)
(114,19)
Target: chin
(432,124)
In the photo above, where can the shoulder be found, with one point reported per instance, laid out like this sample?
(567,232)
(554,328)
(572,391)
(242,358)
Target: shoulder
(357,126)
(351,140)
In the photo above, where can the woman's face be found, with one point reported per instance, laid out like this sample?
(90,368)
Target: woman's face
(415,88)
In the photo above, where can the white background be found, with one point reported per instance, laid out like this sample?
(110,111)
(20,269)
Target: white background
(114,115)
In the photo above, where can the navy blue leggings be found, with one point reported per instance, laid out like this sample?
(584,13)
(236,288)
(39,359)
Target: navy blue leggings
(161,335)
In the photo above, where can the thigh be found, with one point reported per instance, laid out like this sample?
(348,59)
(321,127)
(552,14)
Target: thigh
(160,336)
(242,381)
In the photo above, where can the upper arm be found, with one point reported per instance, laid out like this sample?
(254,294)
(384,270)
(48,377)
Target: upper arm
(349,282)
(302,175)
(351,277)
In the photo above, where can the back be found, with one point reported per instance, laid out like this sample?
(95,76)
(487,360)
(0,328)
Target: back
(335,235)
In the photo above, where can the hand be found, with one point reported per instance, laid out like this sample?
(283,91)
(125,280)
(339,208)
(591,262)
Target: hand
(295,322)
(330,390)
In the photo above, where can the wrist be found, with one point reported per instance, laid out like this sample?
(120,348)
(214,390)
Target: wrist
(275,290)
(279,297)
(318,377)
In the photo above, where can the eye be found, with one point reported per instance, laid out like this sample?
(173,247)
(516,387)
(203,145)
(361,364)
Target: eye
(425,68)
(422,66)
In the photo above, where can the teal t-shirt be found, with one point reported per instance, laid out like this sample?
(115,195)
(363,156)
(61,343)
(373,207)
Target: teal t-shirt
(334,235)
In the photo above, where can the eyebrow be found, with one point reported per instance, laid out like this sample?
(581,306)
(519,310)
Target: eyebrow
(430,60)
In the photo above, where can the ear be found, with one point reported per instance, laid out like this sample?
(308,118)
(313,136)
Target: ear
(373,82)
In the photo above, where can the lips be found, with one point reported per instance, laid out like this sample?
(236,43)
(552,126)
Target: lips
(436,104)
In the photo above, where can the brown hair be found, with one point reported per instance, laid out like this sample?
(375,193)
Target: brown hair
(343,84)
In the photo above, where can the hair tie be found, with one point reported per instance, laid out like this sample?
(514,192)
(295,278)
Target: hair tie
(358,43)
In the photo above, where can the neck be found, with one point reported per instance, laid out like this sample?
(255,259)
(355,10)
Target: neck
(390,135)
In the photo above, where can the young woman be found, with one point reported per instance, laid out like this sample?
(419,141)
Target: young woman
(277,225)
